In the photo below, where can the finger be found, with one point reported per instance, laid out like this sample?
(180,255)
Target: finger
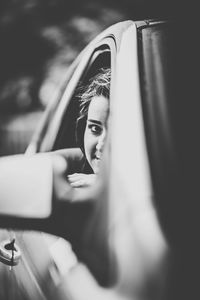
(76,174)
(75,178)
(79,183)
(72,175)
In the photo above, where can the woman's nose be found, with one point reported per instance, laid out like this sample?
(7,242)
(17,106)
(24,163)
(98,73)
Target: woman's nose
(101,141)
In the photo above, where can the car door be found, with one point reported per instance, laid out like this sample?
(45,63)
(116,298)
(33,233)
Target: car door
(137,243)
(125,248)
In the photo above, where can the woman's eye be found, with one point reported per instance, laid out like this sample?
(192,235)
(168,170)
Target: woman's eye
(95,129)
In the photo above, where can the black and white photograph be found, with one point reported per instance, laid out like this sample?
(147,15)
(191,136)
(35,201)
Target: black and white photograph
(99,150)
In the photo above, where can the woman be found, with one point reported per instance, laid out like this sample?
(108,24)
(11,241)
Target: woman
(92,127)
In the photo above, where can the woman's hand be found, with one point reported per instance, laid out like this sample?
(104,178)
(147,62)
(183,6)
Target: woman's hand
(78,180)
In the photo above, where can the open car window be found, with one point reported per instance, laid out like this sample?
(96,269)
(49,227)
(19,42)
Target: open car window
(66,137)
(60,132)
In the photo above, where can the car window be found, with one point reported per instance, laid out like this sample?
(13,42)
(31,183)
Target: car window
(66,135)
(158,64)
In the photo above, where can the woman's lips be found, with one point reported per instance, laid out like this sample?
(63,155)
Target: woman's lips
(98,157)
(96,163)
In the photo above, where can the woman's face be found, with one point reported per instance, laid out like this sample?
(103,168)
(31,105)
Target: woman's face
(95,131)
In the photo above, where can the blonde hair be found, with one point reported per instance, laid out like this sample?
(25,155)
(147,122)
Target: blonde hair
(99,85)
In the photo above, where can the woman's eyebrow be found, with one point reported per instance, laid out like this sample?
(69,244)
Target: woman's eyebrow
(94,121)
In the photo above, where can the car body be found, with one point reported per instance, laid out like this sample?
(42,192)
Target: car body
(130,233)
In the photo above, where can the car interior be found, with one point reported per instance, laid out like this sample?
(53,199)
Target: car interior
(66,137)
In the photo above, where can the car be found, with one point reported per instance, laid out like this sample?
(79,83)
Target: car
(128,235)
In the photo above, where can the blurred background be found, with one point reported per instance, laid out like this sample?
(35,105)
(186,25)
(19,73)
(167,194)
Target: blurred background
(39,40)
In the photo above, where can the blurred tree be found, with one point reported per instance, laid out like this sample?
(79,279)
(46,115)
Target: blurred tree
(38,38)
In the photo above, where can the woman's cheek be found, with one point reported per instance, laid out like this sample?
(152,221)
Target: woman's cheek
(88,146)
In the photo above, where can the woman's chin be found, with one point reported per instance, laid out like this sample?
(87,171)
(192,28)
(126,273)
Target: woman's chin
(96,165)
